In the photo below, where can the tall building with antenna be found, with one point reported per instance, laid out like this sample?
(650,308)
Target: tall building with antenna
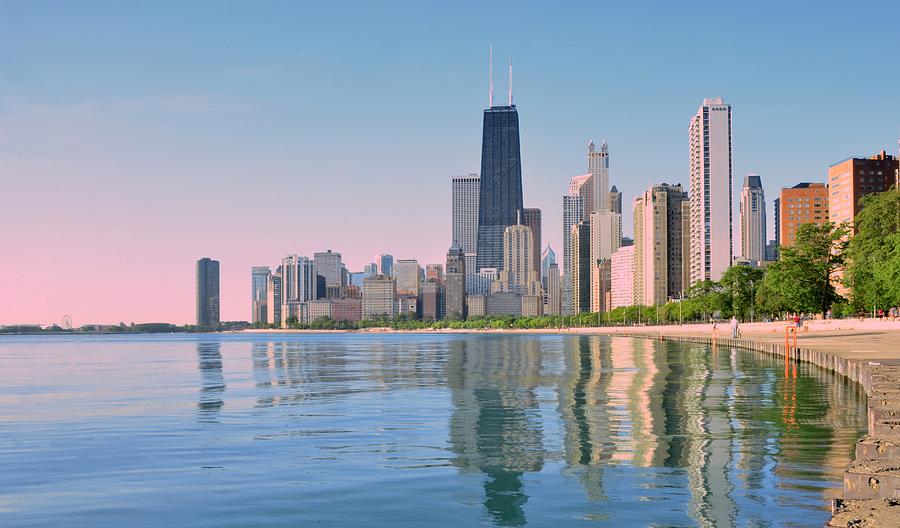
(500,192)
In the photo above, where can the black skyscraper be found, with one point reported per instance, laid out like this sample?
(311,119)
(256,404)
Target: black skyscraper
(207,292)
(501,183)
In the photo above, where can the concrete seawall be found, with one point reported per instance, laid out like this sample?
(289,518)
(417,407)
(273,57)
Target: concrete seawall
(871,494)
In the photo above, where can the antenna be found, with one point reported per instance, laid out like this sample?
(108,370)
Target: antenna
(510,81)
(491,77)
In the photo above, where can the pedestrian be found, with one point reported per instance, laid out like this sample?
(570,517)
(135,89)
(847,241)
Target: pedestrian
(797,320)
(734,327)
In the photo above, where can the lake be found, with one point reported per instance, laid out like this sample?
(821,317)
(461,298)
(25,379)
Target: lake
(415,430)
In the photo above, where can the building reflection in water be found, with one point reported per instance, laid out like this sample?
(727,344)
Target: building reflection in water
(496,428)
(212,383)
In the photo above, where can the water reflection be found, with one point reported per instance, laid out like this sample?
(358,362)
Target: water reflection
(495,427)
(212,384)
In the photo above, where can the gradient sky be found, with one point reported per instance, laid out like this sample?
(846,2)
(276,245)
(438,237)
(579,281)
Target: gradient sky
(136,137)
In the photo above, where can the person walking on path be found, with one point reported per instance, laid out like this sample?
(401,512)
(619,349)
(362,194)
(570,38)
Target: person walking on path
(734,327)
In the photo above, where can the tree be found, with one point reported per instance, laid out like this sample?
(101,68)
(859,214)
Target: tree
(737,288)
(874,252)
(803,279)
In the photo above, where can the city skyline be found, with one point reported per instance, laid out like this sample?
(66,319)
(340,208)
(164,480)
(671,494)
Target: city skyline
(109,174)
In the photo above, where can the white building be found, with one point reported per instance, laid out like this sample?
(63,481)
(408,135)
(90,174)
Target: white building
(606,238)
(328,264)
(520,271)
(622,277)
(710,194)
(752,219)
(464,216)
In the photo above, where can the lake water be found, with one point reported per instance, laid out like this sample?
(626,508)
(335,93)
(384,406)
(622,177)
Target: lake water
(414,430)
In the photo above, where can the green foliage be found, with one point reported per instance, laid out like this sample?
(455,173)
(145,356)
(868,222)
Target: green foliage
(873,274)
(803,278)
(736,291)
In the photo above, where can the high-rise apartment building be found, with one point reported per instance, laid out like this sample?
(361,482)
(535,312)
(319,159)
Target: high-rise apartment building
(553,290)
(606,238)
(207,292)
(752,213)
(581,267)
(598,166)
(853,178)
(455,283)
(298,280)
(406,273)
(370,269)
(500,194)
(531,217)
(658,242)
(575,203)
(432,300)
(711,191)
(259,279)
(804,203)
(386,264)
(273,298)
(615,200)
(466,191)
(379,297)
(520,272)
(328,264)
(622,277)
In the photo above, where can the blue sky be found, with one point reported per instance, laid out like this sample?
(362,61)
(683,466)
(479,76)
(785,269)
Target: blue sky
(246,131)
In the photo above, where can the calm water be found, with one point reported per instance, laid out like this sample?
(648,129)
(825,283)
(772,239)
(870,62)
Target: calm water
(357,430)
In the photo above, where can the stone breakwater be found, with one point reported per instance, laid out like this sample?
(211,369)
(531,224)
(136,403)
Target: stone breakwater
(871,494)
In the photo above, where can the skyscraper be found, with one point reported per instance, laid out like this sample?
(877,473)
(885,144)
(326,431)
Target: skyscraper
(298,280)
(386,264)
(598,166)
(500,193)
(548,258)
(622,277)
(606,238)
(456,283)
(615,200)
(370,269)
(553,290)
(328,264)
(259,280)
(207,292)
(531,217)
(379,298)
(711,190)
(658,239)
(434,272)
(520,272)
(466,190)
(581,267)
(575,203)
(273,298)
(406,273)
(753,218)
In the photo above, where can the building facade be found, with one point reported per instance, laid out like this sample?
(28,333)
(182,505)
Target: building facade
(553,291)
(207,292)
(456,283)
(598,166)
(386,264)
(804,203)
(658,241)
(519,273)
(575,202)
(274,290)
(500,193)
(853,178)
(622,277)
(605,239)
(752,218)
(407,275)
(259,280)
(710,191)
(581,267)
(328,264)
(531,217)
(615,200)
(466,191)
(379,298)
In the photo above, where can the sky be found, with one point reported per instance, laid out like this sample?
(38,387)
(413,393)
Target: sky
(137,137)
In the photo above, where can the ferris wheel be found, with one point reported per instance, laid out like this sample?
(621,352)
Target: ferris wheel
(67,322)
